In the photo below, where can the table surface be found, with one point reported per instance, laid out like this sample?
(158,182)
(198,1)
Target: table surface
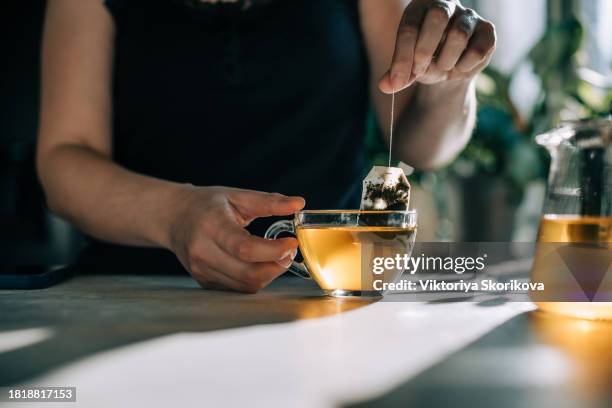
(160,340)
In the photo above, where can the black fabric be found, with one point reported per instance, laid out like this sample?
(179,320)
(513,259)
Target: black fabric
(270,97)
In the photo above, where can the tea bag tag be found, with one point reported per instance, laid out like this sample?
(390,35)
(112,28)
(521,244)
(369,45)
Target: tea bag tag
(385,188)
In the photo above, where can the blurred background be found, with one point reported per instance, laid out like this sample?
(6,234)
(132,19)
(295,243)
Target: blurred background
(553,63)
(28,233)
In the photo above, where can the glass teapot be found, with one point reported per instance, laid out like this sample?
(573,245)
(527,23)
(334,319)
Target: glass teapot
(574,250)
(580,180)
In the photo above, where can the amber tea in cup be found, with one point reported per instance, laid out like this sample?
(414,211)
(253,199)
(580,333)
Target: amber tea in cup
(339,247)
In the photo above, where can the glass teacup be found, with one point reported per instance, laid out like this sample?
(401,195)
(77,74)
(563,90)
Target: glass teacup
(344,250)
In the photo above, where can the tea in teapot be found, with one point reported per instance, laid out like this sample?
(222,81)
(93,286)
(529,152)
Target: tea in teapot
(574,249)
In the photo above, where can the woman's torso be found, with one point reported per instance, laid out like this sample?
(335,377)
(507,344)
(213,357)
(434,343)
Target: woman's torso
(271,98)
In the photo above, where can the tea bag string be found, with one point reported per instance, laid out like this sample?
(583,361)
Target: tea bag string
(391,127)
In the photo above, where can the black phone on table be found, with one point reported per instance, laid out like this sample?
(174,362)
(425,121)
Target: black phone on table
(32,276)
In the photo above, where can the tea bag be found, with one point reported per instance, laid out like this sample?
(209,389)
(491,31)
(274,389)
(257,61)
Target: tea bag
(386,189)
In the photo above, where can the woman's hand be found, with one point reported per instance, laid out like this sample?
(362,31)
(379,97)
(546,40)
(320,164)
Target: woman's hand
(208,236)
(438,40)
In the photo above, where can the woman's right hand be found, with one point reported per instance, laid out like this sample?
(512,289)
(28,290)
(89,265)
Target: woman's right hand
(208,236)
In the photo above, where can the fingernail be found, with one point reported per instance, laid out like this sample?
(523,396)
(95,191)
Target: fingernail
(285,263)
(289,200)
(419,69)
(291,254)
(286,260)
(398,81)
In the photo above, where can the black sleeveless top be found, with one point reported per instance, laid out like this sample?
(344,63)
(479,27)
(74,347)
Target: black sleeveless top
(269,95)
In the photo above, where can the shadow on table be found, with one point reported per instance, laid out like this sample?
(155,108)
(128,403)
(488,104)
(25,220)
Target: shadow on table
(92,314)
(533,360)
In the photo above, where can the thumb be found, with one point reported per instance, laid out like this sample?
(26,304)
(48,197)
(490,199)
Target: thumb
(255,204)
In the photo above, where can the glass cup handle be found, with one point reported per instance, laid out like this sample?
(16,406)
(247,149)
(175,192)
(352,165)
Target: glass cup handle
(296,268)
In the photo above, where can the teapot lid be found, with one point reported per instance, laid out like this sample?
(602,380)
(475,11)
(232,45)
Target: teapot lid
(584,133)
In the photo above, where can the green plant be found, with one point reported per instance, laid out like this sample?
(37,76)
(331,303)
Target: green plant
(503,142)
(556,60)
(501,145)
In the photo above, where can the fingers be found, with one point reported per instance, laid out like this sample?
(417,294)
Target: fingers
(210,278)
(216,268)
(436,21)
(286,261)
(216,249)
(249,248)
(438,40)
(480,47)
(399,75)
(254,204)
(457,38)
(252,281)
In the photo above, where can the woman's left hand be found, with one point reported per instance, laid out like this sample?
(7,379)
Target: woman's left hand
(438,40)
